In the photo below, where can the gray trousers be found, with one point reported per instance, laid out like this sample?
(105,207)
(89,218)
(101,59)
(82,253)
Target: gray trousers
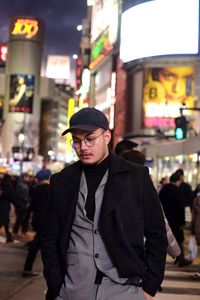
(107,290)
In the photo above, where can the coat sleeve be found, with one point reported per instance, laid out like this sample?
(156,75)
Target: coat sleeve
(155,237)
(50,246)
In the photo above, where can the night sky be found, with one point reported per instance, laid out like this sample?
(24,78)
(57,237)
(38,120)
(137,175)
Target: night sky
(61,19)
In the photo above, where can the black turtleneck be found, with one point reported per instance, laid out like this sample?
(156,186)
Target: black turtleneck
(94,175)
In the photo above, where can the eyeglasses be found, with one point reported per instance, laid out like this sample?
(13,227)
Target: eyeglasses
(88,140)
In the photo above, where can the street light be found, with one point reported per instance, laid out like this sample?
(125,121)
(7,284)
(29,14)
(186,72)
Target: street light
(75,56)
(50,152)
(79,27)
(21,138)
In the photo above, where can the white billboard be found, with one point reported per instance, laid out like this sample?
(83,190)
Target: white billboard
(160,27)
(58,67)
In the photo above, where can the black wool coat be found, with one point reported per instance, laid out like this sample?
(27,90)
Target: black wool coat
(130,211)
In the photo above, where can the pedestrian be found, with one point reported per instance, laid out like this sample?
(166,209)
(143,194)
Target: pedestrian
(37,206)
(22,201)
(134,156)
(171,200)
(164,180)
(6,198)
(186,191)
(124,145)
(99,211)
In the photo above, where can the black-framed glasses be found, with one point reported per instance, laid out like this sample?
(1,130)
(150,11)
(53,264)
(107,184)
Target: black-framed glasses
(88,140)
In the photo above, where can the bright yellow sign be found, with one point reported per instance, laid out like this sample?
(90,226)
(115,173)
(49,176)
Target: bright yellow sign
(25,27)
(71,106)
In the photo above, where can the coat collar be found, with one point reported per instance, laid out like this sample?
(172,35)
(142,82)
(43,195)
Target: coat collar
(117,165)
(115,189)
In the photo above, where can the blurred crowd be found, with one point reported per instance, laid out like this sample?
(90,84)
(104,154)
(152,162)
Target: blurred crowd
(27,195)
(16,191)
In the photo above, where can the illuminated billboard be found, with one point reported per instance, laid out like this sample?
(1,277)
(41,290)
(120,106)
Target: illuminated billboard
(21,93)
(160,27)
(165,91)
(58,67)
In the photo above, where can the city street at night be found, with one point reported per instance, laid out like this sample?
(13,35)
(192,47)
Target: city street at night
(100,149)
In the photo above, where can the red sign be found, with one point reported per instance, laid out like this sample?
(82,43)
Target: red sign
(3,53)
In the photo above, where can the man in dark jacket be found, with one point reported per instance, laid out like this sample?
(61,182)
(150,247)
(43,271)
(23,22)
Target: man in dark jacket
(100,239)
(37,207)
(171,199)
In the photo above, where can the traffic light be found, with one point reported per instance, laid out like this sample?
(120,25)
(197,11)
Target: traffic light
(180,128)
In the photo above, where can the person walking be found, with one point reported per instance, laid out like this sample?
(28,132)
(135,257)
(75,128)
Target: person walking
(171,200)
(98,214)
(22,201)
(37,207)
(124,145)
(6,198)
(186,191)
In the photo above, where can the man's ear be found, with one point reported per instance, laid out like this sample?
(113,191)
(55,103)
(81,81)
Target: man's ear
(107,135)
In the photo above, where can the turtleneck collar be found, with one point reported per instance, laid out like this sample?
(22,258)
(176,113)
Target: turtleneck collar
(103,165)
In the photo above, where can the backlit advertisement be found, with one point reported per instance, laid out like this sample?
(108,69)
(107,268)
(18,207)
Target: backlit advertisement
(160,27)
(165,91)
(21,93)
(58,67)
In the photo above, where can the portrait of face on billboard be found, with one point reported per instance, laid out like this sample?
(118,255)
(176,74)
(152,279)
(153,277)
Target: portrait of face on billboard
(173,84)
(166,90)
(21,93)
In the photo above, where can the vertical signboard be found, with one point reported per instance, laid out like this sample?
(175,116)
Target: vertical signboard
(21,93)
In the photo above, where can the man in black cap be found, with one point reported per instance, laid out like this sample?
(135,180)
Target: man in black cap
(98,215)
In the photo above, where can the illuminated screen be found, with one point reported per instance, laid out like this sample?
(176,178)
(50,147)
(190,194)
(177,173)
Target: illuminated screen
(21,93)
(160,27)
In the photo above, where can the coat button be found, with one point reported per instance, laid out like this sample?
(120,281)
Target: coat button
(96,231)
(96,255)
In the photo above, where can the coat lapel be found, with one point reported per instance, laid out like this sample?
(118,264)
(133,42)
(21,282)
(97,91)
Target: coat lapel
(115,190)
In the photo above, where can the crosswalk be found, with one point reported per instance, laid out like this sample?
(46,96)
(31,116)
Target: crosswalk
(179,283)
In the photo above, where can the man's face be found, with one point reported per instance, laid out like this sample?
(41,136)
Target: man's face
(175,81)
(91,147)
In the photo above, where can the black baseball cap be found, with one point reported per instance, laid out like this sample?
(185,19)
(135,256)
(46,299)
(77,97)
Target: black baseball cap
(88,119)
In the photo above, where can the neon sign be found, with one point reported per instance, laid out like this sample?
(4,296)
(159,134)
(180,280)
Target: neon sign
(25,27)
(100,48)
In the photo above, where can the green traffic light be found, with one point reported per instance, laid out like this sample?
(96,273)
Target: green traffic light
(179,133)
